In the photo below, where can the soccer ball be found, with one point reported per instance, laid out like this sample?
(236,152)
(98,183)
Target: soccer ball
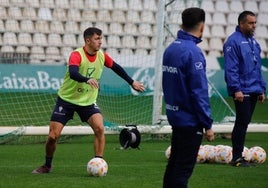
(97,167)
(168,152)
(223,154)
(210,153)
(247,154)
(258,154)
(201,156)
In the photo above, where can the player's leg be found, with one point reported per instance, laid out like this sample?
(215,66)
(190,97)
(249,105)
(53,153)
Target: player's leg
(185,144)
(92,115)
(96,122)
(244,111)
(62,113)
(55,129)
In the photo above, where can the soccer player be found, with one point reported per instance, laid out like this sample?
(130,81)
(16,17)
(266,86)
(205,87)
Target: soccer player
(79,92)
(242,65)
(185,89)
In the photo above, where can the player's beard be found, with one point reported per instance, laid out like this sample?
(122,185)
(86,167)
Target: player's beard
(250,32)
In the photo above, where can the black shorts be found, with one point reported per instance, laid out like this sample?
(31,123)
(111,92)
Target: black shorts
(64,111)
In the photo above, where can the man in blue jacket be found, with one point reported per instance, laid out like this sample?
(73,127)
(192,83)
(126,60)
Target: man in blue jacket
(243,78)
(185,89)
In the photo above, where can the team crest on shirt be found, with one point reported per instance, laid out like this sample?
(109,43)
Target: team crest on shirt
(228,48)
(198,65)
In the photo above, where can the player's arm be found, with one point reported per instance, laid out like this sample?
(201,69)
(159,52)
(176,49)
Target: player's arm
(75,75)
(74,63)
(122,73)
(231,66)
(138,86)
(198,89)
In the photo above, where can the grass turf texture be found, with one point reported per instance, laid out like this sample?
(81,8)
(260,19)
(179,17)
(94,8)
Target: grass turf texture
(128,168)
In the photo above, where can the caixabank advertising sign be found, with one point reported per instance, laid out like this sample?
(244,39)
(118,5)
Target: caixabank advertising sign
(48,78)
(16,77)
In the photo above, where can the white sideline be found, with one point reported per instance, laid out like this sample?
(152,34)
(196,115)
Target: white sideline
(85,130)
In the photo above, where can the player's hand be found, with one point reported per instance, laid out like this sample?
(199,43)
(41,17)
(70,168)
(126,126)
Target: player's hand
(138,86)
(239,96)
(261,98)
(209,135)
(93,83)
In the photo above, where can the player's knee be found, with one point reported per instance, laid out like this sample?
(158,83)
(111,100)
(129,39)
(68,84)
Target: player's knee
(51,140)
(98,130)
(53,135)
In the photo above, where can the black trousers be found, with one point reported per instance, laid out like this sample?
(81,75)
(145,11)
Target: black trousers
(244,111)
(185,144)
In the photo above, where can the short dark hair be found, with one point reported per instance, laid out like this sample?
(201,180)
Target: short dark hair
(243,16)
(191,17)
(91,31)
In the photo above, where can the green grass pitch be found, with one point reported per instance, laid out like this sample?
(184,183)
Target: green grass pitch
(130,168)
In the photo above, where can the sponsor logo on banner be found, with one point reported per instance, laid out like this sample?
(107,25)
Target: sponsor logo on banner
(41,81)
(147,77)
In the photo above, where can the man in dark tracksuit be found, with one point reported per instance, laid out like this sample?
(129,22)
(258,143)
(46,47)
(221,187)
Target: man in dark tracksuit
(244,79)
(185,89)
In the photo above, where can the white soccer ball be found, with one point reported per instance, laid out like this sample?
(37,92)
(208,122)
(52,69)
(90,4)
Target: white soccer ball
(223,154)
(258,154)
(168,152)
(247,154)
(201,156)
(97,167)
(210,153)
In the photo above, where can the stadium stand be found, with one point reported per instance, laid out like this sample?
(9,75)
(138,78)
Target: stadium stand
(40,39)
(106,4)
(263,6)
(9,39)
(251,5)
(54,39)
(12,26)
(232,18)
(44,13)
(27,26)
(263,19)
(32,3)
(116,28)
(42,26)
(92,4)
(118,16)
(25,39)
(236,6)
(129,26)
(218,31)
(57,27)
(121,5)
(222,6)
(208,6)
(128,41)
(77,4)
(37,54)
(23,50)
(72,27)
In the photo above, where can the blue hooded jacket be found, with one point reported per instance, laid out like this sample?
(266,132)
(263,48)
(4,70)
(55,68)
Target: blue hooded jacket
(242,64)
(184,83)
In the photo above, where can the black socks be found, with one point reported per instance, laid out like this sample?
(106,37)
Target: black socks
(48,161)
